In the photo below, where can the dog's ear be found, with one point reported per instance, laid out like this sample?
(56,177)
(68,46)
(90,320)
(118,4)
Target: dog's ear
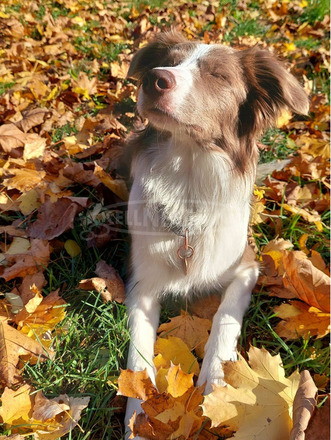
(270,88)
(152,55)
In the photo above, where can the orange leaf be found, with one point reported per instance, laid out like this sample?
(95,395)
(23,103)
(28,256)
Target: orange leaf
(192,330)
(136,384)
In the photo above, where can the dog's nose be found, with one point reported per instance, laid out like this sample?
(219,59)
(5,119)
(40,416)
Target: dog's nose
(158,80)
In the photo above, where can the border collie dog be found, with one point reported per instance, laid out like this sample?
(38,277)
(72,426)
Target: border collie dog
(193,169)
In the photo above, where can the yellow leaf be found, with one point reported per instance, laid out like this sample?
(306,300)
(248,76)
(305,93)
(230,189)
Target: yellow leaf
(309,216)
(176,351)
(16,406)
(290,47)
(136,384)
(118,186)
(29,202)
(23,179)
(34,149)
(192,330)
(301,320)
(258,400)
(18,246)
(178,381)
(83,92)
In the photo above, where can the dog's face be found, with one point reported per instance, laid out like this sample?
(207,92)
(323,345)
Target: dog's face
(195,88)
(210,90)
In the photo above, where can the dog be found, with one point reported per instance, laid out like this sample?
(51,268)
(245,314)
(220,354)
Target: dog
(193,168)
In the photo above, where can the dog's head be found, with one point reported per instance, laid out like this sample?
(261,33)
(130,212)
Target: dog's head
(212,92)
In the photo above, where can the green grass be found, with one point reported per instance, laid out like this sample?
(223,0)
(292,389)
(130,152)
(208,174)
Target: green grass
(91,343)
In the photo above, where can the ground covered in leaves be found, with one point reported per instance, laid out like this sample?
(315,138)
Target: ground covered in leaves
(65,110)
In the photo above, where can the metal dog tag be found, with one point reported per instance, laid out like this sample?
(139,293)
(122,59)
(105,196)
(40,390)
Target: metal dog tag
(185,252)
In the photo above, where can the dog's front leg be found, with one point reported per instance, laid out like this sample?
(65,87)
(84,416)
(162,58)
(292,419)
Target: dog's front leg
(144,312)
(226,327)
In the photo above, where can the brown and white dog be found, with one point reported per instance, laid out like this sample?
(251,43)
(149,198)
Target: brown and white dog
(193,170)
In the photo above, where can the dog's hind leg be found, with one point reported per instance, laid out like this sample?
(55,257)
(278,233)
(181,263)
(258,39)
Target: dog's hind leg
(226,327)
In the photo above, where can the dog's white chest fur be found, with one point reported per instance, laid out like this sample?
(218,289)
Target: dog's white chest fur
(179,186)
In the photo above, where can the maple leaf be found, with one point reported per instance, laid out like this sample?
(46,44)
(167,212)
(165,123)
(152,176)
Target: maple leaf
(192,330)
(54,218)
(176,351)
(14,344)
(59,415)
(23,179)
(16,406)
(306,282)
(32,118)
(28,263)
(109,283)
(257,401)
(40,316)
(171,414)
(299,319)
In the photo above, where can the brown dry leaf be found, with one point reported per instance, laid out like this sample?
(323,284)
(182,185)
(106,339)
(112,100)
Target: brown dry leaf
(319,425)
(258,400)
(16,406)
(306,281)
(32,118)
(206,308)
(25,289)
(192,330)
(57,423)
(299,319)
(109,283)
(172,414)
(32,261)
(12,437)
(14,344)
(310,216)
(136,384)
(54,218)
(174,350)
(303,406)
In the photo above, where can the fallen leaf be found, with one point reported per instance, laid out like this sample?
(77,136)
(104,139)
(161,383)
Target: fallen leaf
(258,400)
(319,425)
(23,179)
(306,281)
(40,316)
(117,186)
(109,284)
(301,320)
(28,263)
(64,421)
(54,218)
(16,406)
(303,405)
(14,344)
(192,330)
(176,351)
(136,384)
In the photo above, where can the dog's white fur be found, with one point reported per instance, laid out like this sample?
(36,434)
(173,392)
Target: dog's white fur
(197,189)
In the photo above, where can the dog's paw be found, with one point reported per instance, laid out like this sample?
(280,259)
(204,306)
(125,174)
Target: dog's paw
(133,406)
(212,372)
